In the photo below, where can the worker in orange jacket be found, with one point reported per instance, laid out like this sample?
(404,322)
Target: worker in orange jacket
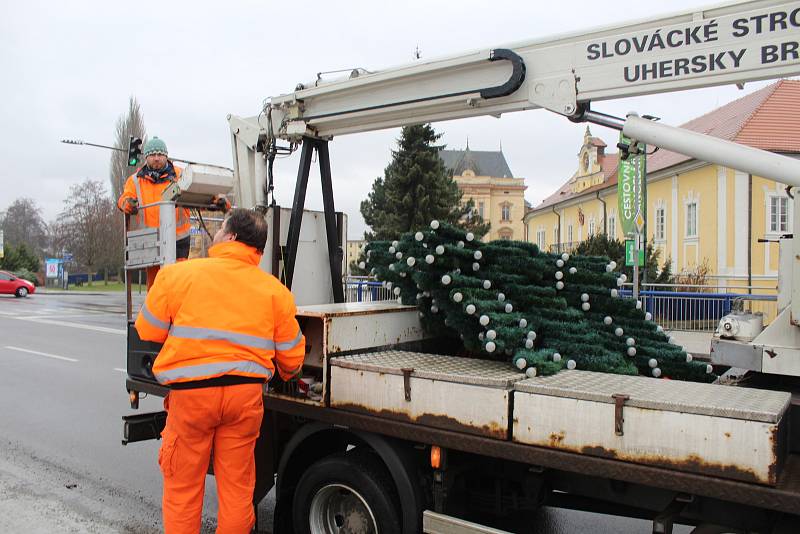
(226,326)
(145,187)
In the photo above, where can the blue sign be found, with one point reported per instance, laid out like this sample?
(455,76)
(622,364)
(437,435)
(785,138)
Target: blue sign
(67,256)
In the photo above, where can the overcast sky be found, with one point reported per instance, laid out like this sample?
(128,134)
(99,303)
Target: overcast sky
(68,69)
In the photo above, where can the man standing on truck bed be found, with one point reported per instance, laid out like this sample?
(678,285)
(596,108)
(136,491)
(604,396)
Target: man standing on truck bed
(145,187)
(225,325)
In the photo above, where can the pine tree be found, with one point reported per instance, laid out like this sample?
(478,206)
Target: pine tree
(416,187)
(543,312)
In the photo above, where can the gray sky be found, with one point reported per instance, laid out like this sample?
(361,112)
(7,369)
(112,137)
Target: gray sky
(66,75)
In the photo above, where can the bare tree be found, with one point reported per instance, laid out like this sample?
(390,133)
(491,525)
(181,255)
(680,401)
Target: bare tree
(130,124)
(90,227)
(23,224)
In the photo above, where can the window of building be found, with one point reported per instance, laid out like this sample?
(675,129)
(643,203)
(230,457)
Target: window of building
(480,209)
(505,214)
(556,237)
(540,239)
(661,223)
(778,214)
(505,233)
(612,226)
(691,219)
(592,226)
(569,234)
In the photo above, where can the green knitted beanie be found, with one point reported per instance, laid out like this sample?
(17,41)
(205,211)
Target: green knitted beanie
(155,146)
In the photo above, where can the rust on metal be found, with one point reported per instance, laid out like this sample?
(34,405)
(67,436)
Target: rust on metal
(619,402)
(556,438)
(407,382)
(493,430)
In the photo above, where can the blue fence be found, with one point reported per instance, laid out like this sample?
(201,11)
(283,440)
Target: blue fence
(365,290)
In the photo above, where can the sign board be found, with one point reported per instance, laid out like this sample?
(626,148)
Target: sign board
(630,253)
(67,256)
(632,191)
(51,267)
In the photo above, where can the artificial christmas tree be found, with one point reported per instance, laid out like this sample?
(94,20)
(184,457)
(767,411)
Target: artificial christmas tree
(542,312)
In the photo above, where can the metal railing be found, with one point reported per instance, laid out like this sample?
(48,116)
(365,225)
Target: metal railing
(365,289)
(699,308)
(569,246)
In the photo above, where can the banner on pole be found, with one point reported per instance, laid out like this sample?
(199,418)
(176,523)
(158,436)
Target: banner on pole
(632,191)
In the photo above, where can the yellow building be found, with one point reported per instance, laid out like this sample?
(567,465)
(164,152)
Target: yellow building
(353,251)
(484,177)
(696,212)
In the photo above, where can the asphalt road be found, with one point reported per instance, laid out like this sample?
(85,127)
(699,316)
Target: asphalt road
(62,393)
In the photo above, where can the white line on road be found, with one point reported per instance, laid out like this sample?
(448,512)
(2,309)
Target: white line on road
(56,356)
(118,331)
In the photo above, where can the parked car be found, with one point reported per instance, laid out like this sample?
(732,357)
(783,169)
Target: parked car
(13,285)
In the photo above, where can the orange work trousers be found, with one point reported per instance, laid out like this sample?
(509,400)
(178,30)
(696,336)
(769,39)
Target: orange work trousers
(227,418)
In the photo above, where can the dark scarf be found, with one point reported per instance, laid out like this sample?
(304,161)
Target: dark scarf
(158,176)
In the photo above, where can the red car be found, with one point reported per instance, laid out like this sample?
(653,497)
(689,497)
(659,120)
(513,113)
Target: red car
(12,285)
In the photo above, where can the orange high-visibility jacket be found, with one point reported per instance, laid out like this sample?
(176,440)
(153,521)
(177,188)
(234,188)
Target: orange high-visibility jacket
(147,192)
(221,315)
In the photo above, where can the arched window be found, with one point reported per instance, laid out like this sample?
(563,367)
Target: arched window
(505,212)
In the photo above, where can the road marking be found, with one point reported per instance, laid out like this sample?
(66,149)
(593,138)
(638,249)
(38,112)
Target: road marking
(55,356)
(104,329)
(121,370)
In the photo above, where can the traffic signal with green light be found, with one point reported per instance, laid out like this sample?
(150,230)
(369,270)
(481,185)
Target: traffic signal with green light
(134,151)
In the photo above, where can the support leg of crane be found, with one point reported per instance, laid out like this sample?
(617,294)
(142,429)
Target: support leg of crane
(293,240)
(663,522)
(334,250)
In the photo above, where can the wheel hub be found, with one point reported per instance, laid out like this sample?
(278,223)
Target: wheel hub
(339,509)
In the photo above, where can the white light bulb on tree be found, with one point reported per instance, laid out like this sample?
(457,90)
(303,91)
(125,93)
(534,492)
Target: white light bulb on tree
(523,323)
(460,244)
(490,346)
(659,328)
(419,296)
(613,264)
(653,363)
(609,268)
(638,304)
(484,320)
(709,369)
(395,243)
(585,306)
(528,343)
(388,285)
(435,224)
(509,308)
(470,236)
(477,254)
(399,300)
(559,263)
(559,285)
(429,259)
(671,340)
(573,270)
(362,265)
(501,297)
(458,297)
(491,334)
(396,291)
(531,335)
(530,372)
(391,266)
(521,363)
(619,282)
(470,309)
(630,342)
(688,358)
(556,357)
(565,256)
(426,293)
(656,372)
(446,279)
(607,320)
(631,351)
(559,275)
(584,297)
(392,250)
(476,266)
(648,316)
(487,284)
(614,293)
(623,277)
(410,261)
(434,309)
(418,236)
(618,331)
(571,364)
(439,249)
(480,336)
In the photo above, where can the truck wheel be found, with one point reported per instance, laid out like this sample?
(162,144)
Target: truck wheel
(346,493)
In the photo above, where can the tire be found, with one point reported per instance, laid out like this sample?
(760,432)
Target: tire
(346,493)
(21,292)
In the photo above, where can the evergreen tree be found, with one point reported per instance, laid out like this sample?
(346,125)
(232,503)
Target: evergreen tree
(602,245)
(19,258)
(416,187)
(543,312)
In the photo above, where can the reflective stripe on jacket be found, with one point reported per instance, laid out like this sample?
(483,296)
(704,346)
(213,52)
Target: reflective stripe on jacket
(148,192)
(221,315)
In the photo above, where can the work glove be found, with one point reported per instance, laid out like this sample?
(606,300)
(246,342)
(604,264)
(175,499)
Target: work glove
(131,206)
(222,202)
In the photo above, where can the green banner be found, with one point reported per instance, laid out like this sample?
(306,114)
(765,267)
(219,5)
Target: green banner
(632,191)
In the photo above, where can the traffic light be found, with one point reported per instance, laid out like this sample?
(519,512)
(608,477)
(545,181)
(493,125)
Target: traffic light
(134,151)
